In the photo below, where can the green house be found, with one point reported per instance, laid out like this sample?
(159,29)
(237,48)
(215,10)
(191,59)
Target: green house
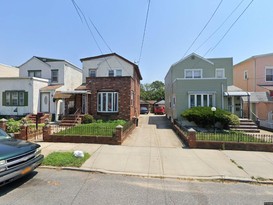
(197,81)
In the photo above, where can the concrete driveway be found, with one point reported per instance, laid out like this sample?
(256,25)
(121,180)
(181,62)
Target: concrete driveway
(153,131)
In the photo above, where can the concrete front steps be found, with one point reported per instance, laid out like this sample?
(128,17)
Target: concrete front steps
(70,120)
(246,125)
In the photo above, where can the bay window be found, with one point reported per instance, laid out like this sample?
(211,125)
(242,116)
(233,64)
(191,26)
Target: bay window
(107,102)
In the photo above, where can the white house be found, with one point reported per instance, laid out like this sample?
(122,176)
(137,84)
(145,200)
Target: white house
(19,95)
(49,76)
(8,71)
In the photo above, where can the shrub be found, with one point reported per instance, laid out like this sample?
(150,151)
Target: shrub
(203,116)
(13,125)
(87,119)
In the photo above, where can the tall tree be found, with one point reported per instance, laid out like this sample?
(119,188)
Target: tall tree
(153,91)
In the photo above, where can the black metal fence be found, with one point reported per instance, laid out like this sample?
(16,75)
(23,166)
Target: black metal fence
(234,137)
(84,130)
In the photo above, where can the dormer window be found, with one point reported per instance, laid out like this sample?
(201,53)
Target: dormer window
(54,76)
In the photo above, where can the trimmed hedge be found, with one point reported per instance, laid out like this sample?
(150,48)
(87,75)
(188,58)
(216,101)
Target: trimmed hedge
(204,117)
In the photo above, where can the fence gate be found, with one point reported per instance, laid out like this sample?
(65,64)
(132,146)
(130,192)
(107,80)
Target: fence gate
(34,134)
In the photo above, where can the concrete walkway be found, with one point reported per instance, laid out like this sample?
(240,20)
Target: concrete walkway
(154,150)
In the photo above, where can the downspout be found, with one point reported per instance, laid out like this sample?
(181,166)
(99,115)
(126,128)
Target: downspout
(222,87)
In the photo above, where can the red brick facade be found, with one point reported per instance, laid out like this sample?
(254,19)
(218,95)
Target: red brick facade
(128,90)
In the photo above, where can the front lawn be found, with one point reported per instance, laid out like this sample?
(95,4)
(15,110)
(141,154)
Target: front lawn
(93,129)
(64,159)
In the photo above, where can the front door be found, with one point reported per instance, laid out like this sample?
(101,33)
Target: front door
(45,101)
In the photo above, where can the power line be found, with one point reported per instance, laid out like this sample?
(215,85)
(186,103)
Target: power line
(211,49)
(144,32)
(221,25)
(203,28)
(81,14)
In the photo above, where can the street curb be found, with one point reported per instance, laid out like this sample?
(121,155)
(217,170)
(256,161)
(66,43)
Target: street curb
(186,178)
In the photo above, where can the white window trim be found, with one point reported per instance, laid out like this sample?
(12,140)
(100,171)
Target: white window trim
(114,94)
(220,69)
(192,72)
(267,68)
(202,99)
(92,69)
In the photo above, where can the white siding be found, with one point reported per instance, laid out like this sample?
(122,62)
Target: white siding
(8,71)
(30,85)
(103,65)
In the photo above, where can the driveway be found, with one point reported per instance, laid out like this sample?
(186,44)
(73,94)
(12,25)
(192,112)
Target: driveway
(153,131)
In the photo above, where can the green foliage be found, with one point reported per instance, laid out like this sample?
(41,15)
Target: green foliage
(153,91)
(13,125)
(204,117)
(87,119)
(64,159)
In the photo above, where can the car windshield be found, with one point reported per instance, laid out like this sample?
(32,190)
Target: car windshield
(143,108)
(3,134)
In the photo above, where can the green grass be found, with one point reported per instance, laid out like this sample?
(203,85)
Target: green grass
(64,159)
(93,129)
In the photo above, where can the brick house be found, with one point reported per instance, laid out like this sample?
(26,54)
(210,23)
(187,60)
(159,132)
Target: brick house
(111,88)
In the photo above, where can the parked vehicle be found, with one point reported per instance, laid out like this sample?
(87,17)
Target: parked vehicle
(144,110)
(159,109)
(17,158)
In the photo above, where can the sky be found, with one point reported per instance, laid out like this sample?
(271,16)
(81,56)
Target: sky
(53,29)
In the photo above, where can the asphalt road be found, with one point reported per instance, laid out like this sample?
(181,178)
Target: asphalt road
(70,187)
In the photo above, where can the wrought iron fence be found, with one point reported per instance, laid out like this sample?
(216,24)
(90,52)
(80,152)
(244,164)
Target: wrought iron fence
(127,125)
(234,137)
(84,130)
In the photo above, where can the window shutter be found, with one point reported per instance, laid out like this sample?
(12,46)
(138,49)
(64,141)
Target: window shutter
(3,98)
(26,99)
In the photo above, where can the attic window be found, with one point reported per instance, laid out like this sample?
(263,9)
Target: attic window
(192,57)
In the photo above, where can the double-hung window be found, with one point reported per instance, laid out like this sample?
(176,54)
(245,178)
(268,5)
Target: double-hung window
(111,73)
(92,73)
(15,98)
(220,73)
(269,74)
(107,102)
(193,73)
(35,73)
(54,76)
(201,100)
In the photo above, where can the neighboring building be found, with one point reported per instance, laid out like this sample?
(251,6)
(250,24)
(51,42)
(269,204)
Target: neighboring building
(53,75)
(197,81)
(111,88)
(255,75)
(8,71)
(20,96)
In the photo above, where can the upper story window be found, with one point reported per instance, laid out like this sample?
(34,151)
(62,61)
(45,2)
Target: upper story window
(111,73)
(35,73)
(193,73)
(220,73)
(245,75)
(269,74)
(54,76)
(92,73)
(117,72)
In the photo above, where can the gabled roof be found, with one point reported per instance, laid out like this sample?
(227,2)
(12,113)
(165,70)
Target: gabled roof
(48,60)
(256,56)
(114,54)
(193,55)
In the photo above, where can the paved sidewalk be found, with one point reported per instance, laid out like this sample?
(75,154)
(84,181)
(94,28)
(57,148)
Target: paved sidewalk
(154,150)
